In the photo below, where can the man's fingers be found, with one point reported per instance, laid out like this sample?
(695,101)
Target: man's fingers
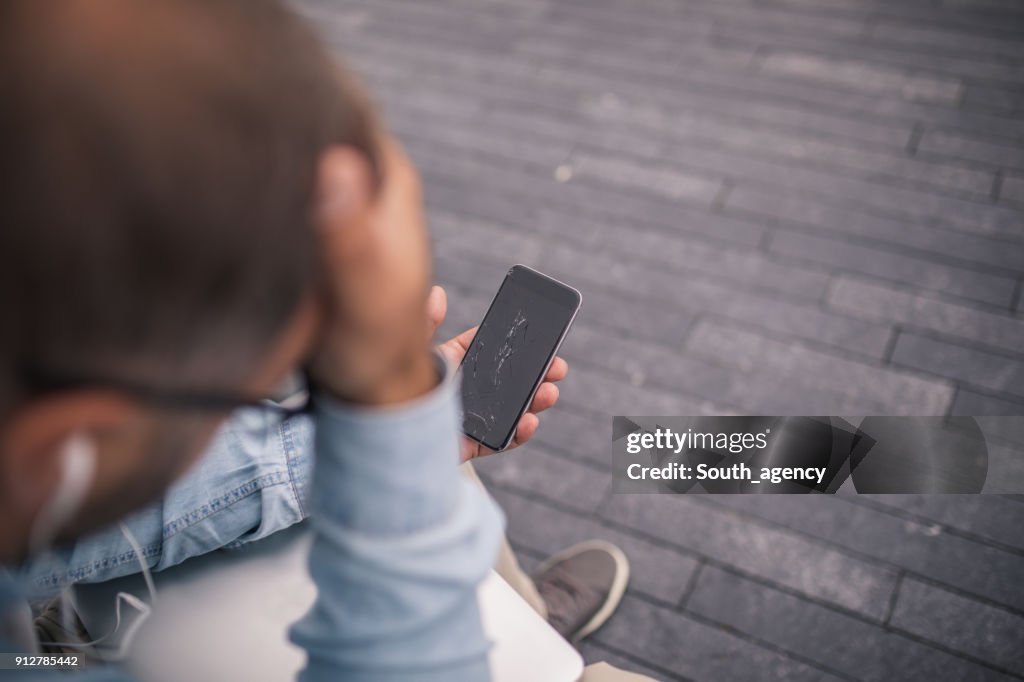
(527,427)
(546,397)
(470,450)
(451,352)
(558,370)
(465,338)
(455,349)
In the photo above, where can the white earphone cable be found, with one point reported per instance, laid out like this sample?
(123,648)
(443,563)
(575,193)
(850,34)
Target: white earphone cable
(144,609)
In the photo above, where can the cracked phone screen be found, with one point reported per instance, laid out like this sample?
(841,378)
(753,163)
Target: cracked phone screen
(506,360)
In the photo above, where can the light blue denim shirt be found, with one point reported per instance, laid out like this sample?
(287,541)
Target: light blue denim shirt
(401,539)
(252,481)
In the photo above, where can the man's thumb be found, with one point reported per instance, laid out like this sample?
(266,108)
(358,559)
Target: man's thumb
(437,308)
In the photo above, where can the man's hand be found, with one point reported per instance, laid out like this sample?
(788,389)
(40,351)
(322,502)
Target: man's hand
(377,274)
(455,349)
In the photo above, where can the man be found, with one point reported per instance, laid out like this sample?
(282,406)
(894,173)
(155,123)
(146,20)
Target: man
(195,203)
(252,482)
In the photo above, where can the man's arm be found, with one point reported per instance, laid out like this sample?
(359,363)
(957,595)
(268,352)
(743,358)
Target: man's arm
(401,543)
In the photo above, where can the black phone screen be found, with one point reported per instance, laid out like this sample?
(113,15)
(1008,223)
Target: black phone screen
(507,358)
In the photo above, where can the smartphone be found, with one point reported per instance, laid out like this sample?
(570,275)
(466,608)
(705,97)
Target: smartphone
(512,351)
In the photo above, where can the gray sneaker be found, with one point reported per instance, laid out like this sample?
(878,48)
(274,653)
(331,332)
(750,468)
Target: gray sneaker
(582,586)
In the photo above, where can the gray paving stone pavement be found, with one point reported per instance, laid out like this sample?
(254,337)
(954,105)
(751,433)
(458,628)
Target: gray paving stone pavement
(771,206)
(1012,188)
(841,641)
(684,644)
(981,368)
(922,608)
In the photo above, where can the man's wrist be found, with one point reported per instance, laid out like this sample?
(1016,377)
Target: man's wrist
(411,377)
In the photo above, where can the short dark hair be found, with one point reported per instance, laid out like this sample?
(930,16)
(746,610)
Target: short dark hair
(157,176)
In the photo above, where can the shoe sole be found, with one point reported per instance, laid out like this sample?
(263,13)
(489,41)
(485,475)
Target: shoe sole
(615,593)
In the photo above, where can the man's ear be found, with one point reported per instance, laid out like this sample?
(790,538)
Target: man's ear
(31,440)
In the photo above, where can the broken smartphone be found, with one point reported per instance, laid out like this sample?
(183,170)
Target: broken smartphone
(511,353)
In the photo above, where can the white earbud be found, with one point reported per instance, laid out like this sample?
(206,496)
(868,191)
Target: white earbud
(77,469)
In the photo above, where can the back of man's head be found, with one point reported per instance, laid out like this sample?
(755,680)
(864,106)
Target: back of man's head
(157,173)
